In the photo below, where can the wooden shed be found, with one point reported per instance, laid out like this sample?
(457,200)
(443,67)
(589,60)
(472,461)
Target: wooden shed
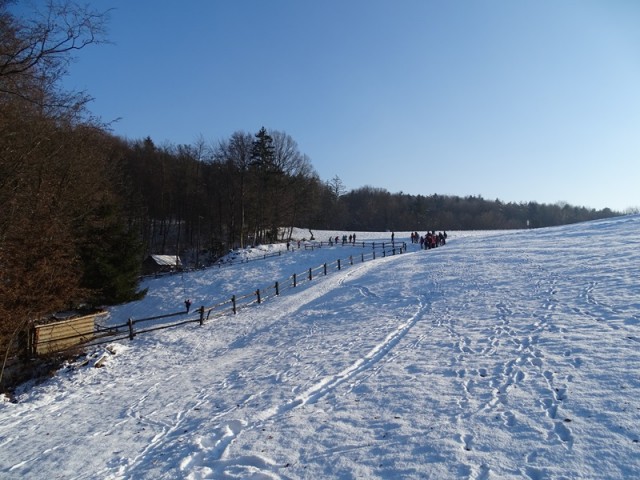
(155,264)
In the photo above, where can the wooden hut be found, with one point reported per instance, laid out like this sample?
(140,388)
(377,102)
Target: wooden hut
(158,264)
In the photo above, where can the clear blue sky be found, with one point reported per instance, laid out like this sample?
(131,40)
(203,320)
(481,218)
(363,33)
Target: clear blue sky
(516,100)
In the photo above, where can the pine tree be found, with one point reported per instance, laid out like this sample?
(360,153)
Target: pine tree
(262,152)
(111,256)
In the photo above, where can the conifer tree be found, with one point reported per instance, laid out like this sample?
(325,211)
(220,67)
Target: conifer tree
(262,151)
(111,258)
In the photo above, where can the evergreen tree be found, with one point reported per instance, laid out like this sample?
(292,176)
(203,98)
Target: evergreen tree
(111,256)
(262,151)
(264,170)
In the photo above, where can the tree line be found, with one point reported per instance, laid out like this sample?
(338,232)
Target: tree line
(379,210)
(80,207)
(199,201)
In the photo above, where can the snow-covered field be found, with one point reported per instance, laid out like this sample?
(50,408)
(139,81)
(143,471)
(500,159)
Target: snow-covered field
(498,356)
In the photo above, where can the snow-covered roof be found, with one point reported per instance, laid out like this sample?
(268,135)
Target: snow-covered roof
(166,260)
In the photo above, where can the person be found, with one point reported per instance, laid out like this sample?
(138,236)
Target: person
(354,238)
(187,303)
(288,245)
(393,235)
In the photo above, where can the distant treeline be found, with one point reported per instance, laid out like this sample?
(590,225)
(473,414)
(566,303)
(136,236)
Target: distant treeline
(374,209)
(241,190)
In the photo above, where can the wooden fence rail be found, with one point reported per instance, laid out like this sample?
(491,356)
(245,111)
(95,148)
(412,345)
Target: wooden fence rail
(59,336)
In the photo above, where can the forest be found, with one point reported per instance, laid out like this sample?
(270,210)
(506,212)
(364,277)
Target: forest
(250,188)
(80,208)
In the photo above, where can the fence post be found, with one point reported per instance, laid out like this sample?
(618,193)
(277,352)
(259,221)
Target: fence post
(310,275)
(277,288)
(374,255)
(233,301)
(363,258)
(294,280)
(350,259)
(31,343)
(338,264)
(258,294)
(384,252)
(130,323)
(325,269)
(201,309)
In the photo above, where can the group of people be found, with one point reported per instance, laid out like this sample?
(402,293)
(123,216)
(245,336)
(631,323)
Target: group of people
(351,239)
(430,240)
(289,248)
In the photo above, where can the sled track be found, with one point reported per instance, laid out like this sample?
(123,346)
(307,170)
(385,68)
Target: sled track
(210,461)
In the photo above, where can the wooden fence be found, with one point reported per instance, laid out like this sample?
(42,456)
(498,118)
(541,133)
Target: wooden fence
(311,245)
(133,327)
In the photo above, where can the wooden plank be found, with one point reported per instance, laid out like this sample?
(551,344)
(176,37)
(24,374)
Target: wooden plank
(54,337)
(60,331)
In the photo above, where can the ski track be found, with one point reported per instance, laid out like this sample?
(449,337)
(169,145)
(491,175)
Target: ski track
(207,457)
(211,462)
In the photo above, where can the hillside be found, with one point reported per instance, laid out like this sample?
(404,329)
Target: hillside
(500,355)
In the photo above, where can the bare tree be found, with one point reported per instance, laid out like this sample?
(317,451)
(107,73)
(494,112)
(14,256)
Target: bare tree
(292,189)
(35,53)
(234,155)
(287,156)
(336,186)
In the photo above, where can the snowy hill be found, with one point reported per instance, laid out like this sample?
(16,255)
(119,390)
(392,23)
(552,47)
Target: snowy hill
(500,355)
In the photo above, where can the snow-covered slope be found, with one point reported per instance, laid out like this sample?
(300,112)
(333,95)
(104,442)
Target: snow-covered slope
(497,356)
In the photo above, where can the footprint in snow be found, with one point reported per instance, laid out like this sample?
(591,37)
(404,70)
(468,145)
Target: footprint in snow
(466,441)
(508,418)
(563,432)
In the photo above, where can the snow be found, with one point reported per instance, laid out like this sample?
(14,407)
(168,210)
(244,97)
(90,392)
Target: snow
(502,355)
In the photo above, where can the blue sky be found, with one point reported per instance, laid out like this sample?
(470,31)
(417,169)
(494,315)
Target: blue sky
(516,100)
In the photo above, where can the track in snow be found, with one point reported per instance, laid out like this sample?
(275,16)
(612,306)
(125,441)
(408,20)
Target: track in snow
(210,460)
